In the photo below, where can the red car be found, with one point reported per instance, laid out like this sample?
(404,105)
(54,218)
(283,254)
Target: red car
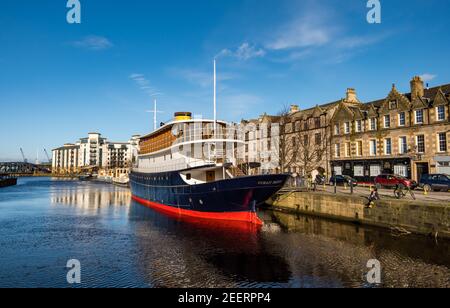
(392,181)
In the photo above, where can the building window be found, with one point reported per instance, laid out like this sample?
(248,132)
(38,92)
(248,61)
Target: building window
(392,105)
(440,111)
(305,140)
(401,119)
(358,171)
(419,116)
(317,122)
(347,149)
(318,139)
(337,129)
(388,146)
(375,170)
(358,125)
(401,170)
(403,145)
(347,128)
(442,142)
(373,147)
(387,121)
(420,143)
(373,124)
(337,150)
(359,146)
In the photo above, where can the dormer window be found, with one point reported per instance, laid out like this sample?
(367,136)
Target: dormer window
(393,105)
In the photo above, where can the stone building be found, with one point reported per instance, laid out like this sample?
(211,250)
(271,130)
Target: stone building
(261,151)
(404,134)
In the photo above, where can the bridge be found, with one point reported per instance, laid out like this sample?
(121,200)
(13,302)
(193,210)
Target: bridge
(23,169)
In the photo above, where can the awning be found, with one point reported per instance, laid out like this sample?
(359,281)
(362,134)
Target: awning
(442,158)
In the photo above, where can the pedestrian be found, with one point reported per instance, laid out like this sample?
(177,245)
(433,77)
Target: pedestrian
(374,196)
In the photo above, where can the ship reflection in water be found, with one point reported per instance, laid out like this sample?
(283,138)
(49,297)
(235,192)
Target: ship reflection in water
(121,243)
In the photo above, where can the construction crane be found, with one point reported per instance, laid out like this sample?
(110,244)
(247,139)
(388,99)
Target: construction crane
(25,160)
(48,157)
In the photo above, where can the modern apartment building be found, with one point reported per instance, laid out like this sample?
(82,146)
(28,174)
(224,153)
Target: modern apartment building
(94,151)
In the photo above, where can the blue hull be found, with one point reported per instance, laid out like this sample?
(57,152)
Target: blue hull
(238,195)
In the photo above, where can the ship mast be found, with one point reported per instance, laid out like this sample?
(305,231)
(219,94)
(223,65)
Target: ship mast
(215,101)
(154,116)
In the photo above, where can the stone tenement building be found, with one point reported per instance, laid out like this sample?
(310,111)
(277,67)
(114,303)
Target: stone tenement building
(260,153)
(94,152)
(405,134)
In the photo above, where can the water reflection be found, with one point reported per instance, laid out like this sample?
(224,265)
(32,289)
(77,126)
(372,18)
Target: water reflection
(339,252)
(121,243)
(195,253)
(90,196)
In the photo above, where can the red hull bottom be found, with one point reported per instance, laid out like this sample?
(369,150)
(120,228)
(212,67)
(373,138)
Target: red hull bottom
(248,217)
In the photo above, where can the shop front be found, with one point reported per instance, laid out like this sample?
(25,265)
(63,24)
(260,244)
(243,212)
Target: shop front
(442,164)
(365,171)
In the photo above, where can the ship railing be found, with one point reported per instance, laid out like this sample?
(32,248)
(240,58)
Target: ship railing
(205,134)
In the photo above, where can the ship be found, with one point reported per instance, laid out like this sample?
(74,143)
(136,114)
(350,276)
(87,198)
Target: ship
(7,180)
(188,167)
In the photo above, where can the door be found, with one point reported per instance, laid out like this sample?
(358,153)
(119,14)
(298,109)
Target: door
(210,176)
(422,168)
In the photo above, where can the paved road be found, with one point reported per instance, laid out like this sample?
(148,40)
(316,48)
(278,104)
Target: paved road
(389,193)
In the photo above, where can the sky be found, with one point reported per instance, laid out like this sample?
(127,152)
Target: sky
(60,81)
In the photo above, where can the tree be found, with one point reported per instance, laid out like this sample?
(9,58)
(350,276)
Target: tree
(287,148)
(311,149)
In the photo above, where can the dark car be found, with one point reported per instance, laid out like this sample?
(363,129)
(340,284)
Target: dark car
(392,181)
(343,180)
(435,182)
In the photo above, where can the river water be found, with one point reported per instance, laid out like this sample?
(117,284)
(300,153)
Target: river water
(46,222)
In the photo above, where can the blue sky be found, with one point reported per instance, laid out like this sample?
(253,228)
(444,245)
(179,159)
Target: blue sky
(60,81)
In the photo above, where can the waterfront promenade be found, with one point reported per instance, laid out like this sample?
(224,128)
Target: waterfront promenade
(428,214)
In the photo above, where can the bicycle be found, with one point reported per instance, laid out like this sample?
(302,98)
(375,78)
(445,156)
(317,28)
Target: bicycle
(399,192)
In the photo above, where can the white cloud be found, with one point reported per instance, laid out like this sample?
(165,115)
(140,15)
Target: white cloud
(428,77)
(144,84)
(93,42)
(305,31)
(244,52)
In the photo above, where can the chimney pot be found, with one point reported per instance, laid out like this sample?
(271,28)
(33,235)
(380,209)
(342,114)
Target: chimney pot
(417,88)
(351,95)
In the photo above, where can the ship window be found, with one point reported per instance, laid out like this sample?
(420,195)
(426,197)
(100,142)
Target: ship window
(188,176)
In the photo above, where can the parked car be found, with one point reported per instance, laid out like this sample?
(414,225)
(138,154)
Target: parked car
(435,182)
(342,180)
(392,181)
